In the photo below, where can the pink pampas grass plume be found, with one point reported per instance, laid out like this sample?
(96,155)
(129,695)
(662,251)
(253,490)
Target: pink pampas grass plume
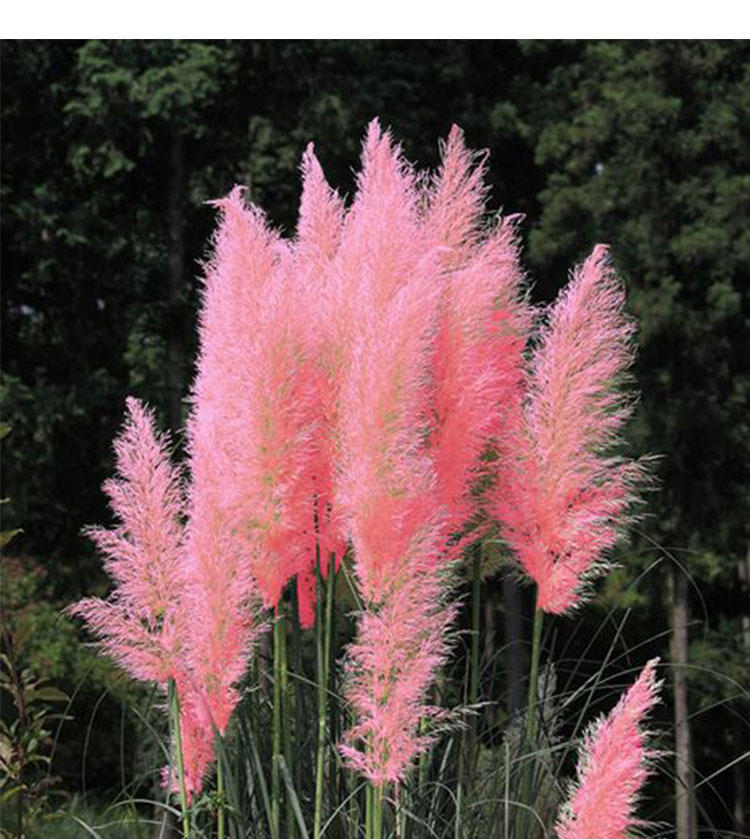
(385,479)
(390,667)
(560,496)
(253,416)
(144,625)
(222,592)
(321,216)
(140,624)
(455,199)
(612,767)
(483,327)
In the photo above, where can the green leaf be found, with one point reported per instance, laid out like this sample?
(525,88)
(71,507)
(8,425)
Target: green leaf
(47,694)
(7,535)
(9,794)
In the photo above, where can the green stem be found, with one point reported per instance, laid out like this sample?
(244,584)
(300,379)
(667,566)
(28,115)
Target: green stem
(400,818)
(378,795)
(459,796)
(476,608)
(423,762)
(320,667)
(276,734)
(369,798)
(467,752)
(296,667)
(532,725)
(287,710)
(476,602)
(220,795)
(323,632)
(174,709)
(328,652)
(532,720)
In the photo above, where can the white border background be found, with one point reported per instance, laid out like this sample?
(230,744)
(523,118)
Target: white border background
(458,19)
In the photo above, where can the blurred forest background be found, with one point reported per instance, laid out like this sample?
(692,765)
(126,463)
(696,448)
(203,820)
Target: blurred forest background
(110,150)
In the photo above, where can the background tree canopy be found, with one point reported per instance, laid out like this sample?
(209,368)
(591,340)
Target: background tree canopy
(111,150)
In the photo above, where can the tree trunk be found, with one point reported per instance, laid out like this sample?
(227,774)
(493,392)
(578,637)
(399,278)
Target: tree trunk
(684,806)
(514,643)
(175,287)
(741,823)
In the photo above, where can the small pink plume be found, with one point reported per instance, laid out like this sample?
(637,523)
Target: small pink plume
(391,665)
(455,200)
(612,767)
(140,624)
(223,604)
(144,625)
(560,496)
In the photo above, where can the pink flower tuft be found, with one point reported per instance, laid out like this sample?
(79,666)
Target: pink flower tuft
(560,496)
(321,217)
(390,667)
(143,625)
(482,330)
(140,623)
(455,200)
(252,419)
(612,767)
(437,351)
(385,480)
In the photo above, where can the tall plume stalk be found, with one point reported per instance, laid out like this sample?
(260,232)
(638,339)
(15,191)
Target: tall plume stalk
(561,496)
(436,355)
(386,479)
(142,625)
(321,216)
(613,765)
(477,363)
(251,436)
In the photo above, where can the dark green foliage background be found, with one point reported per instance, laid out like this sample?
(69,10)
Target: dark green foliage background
(640,144)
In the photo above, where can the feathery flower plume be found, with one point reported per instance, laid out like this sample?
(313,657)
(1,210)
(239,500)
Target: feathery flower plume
(398,650)
(234,513)
(385,479)
(143,624)
(612,767)
(482,331)
(258,388)
(454,200)
(560,497)
(140,623)
(321,215)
